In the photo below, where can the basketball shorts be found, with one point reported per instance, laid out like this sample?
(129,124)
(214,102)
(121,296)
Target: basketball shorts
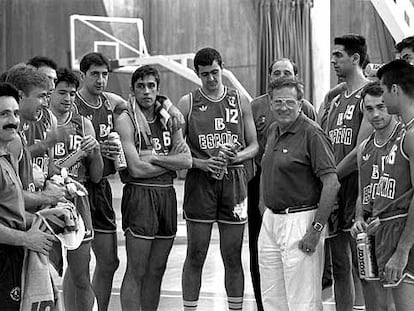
(386,240)
(149,212)
(11,259)
(347,196)
(209,200)
(102,211)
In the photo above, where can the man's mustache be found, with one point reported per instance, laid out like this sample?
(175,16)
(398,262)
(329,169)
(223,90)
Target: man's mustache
(10,126)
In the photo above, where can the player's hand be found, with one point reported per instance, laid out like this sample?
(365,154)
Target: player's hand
(309,241)
(373,225)
(395,266)
(213,165)
(54,193)
(359,226)
(179,147)
(177,119)
(38,241)
(173,124)
(146,155)
(89,144)
(38,176)
(54,217)
(230,152)
(61,217)
(78,185)
(109,149)
(53,169)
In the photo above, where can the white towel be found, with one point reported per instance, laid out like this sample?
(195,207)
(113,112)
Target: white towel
(37,288)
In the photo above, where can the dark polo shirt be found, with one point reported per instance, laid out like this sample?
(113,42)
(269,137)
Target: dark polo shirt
(12,213)
(263,118)
(293,162)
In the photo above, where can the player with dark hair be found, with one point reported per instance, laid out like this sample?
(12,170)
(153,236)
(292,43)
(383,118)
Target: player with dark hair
(101,107)
(80,139)
(347,128)
(47,66)
(406,49)
(369,156)
(97,105)
(149,206)
(393,204)
(217,120)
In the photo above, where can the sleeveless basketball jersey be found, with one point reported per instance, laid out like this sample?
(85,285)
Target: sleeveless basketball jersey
(70,144)
(394,190)
(212,122)
(35,131)
(370,164)
(25,166)
(101,117)
(161,143)
(344,122)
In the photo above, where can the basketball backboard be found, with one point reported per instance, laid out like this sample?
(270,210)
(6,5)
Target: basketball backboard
(117,38)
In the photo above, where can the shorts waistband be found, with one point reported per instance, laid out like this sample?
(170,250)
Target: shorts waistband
(393,217)
(102,182)
(295,209)
(150,185)
(235,166)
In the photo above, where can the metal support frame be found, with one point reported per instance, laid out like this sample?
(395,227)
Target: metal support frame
(177,63)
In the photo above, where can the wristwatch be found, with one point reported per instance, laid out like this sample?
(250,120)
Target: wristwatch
(317,226)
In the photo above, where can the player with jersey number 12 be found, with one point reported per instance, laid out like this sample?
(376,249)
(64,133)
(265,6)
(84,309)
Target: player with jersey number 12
(216,117)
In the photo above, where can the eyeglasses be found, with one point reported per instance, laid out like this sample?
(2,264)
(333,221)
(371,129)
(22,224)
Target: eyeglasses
(283,102)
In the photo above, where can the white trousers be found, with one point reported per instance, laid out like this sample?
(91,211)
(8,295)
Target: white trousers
(290,279)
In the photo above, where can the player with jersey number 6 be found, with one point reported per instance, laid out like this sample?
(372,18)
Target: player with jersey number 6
(149,206)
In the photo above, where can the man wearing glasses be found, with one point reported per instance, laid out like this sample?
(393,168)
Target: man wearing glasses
(298,188)
(263,118)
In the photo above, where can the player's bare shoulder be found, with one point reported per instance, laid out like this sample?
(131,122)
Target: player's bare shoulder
(115,100)
(184,105)
(408,144)
(245,103)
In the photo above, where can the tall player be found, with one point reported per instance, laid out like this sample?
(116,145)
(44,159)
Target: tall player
(46,66)
(99,106)
(216,117)
(149,204)
(346,128)
(79,141)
